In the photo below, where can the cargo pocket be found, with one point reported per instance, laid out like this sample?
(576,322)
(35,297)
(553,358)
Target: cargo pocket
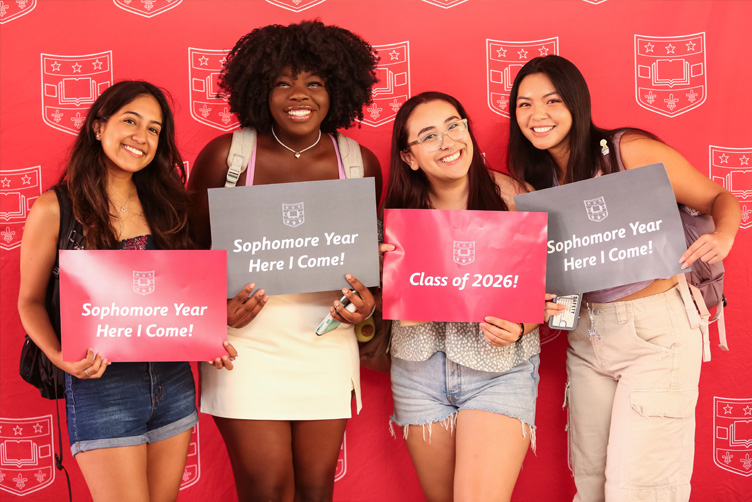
(660,438)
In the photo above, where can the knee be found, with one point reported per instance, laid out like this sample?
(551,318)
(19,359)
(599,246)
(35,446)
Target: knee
(250,491)
(313,493)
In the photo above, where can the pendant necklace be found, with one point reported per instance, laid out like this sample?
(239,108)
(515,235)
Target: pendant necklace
(297,153)
(124,204)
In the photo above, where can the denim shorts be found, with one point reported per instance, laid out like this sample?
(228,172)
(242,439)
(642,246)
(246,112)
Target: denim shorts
(132,404)
(437,388)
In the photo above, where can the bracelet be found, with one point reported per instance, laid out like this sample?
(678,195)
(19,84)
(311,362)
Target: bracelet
(522,331)
(371,314)
(729,241)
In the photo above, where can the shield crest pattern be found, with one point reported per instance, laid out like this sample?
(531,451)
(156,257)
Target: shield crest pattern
(732,434)
(208,103)
(296,5)
(341,460)
(144,282)
(147,8)
(731,168)
(19,188)
(70,84)
(26,454)
(293,215)
(670,73)
(393,87)
(463,252)
(504,60)
(10,10)
(445,4)
(596,209)
(192,471)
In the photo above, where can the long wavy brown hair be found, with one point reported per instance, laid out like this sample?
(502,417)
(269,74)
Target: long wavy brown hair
(160,185)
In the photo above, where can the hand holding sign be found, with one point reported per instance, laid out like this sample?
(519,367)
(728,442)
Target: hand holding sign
(244,307)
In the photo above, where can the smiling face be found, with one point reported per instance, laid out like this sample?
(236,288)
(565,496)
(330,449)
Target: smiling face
(298,105)
(542,115)
(449,163)
(131,135)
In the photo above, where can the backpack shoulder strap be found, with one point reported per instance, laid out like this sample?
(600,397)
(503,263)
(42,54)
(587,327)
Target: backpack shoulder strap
(349,152)
(71,231)
(240,154)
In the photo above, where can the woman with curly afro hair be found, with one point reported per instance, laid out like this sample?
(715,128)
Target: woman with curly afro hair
(282,413)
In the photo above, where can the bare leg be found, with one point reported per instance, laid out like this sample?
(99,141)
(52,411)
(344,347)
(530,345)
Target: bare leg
(116,473)
(490,451)
(316,445)
(433,457)
(165,463)
(260,452)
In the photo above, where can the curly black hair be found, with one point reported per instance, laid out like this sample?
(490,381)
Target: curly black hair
(343,59)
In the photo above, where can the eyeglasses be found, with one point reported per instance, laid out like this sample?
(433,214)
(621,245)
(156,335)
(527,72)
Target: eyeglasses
(432,141)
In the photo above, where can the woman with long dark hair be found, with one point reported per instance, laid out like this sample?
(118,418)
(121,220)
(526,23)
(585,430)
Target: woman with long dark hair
(464,393)
(282,412)
(129,424)
(633,361)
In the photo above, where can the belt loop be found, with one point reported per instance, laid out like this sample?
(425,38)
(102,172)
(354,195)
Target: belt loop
(621,312)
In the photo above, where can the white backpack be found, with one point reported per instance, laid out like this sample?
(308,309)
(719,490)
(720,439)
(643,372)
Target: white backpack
(242,147)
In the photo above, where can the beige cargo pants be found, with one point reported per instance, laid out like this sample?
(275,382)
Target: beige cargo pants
(634,370)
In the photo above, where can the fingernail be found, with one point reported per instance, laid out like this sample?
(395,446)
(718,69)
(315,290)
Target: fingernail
(261,292)
(349,276)
(225,343)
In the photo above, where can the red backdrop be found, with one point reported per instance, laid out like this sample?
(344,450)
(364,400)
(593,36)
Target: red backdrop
(679,68)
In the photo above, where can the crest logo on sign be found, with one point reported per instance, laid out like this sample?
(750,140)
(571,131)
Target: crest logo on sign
(463,252)
(293,215)
(70,84)
(296,5)
(192,471)
(732,434)
(393,87)
(147,8)
(503,62)
(446,4)
(208,102)
(144,283)
(731,168)
(670,73)
(19,188)
(26,454)
(596,209)
(13,10)
(341,460)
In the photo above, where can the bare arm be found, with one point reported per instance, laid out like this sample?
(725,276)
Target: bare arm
(691,189)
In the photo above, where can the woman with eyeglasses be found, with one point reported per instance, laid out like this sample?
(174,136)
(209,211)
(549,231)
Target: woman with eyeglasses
(464,393)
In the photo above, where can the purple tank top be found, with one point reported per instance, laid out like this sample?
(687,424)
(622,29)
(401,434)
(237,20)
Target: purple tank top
(252,164)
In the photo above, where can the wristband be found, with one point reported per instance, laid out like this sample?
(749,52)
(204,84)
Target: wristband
(522,331)
(371,314)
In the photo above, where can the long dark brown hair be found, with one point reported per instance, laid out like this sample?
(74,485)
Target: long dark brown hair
(160,185)
(537,167)
(409,189)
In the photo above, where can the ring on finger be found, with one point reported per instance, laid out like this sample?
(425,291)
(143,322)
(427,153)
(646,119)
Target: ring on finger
(86,370)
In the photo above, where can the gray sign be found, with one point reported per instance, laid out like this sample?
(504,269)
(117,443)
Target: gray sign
(297,237)
(610,231)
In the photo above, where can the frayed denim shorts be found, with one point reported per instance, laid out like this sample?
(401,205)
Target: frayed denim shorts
(132,404)
(436,389)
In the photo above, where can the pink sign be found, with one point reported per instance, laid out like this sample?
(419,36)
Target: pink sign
(143,305)
(464,265)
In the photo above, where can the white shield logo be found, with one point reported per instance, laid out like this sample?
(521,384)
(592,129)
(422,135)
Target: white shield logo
(208,103)
(730,168)
(594,2)
(26,454)
(293,215)
(446,4)
(393,87)
(548,334)
(147,8)
(464,252)
(70,84)
(144,283)
(13,10)
(341,460)
(596,209)
(670,73)
(192,471)
(732,435)
(296,5)
(19,188)
(503,62)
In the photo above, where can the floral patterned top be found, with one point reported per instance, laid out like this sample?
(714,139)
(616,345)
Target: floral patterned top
(138,243)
